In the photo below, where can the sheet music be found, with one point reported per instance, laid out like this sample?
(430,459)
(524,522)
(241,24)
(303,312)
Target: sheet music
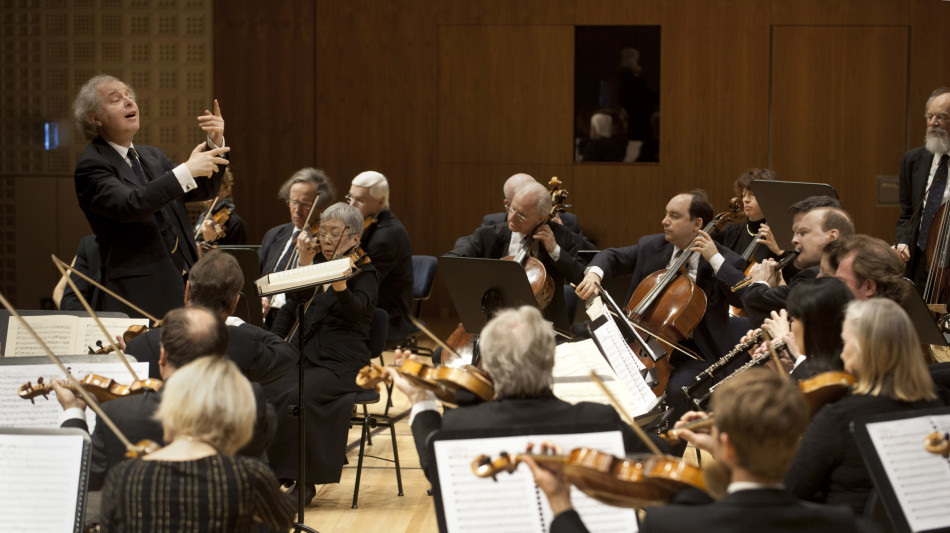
(89,332)
(39,480)
(44,413)
(303,276)
(920,479)
(573,364)
(514,503)
(64,334)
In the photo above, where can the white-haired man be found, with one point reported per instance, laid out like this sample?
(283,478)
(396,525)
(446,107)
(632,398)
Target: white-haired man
(386,241)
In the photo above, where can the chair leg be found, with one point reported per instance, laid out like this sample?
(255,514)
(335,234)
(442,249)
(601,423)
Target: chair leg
(392,432)
(389,400)
(359,465)
(369,436)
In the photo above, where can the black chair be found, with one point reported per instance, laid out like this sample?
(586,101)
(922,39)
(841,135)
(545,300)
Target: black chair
(423,275)
(377,339)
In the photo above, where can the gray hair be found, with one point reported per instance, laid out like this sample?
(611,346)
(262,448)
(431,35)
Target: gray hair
(87,101)
(517,347)
(325,191)
(516,182)
(540,193)
(937,92)
(376,183)
(349,215)
(602,124)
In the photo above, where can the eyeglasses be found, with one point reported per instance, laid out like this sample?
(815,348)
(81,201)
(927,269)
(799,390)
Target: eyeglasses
(517,214)
(350,199)
(941,117)
(333,236)
(302,205)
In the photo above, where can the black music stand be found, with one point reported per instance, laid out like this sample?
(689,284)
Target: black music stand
(923,319)
(248,308)
(775,197)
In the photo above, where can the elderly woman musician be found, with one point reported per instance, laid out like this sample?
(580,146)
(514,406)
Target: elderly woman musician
(195,483)
(883,352)
(335,332)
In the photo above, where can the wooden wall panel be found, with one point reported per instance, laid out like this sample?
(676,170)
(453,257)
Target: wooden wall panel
(618,12)
(265,78)
(520,12)
(837,118)
(505,94)
(929,64)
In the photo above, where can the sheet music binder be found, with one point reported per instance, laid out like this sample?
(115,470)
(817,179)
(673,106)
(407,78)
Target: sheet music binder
(887,487)
(39,493)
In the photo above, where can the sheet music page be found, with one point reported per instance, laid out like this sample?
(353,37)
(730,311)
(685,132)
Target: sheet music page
(514,503)
(920,479)
(89,332)
(572,382)
(39,480)
(44,413)
(302,276)
(57,331)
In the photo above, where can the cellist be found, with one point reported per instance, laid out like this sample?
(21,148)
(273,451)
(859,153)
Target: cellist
(715,269)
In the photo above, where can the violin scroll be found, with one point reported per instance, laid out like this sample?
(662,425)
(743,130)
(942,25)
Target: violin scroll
(938,443)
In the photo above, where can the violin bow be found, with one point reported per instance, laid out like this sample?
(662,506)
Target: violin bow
(207,216)
(82,299)
(155,322)
(445,347)
(623,412)
(88,398)
(293,329)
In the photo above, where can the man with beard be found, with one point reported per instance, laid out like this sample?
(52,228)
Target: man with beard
(924,169)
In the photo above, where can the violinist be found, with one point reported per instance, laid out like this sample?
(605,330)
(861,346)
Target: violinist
(335,331)
(882,351)
(518,353)
(738,237)
(760,417)
(714,269)
(921,169)
(195,483)
(187,334)
(528,217)
(232,231)
(309,189)
(387,243)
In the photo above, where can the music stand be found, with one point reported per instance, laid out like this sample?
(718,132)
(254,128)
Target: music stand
(775,197)
(248,308)
(927,328)
(481,287)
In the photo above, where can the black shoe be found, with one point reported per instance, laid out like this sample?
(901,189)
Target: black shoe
(309,495)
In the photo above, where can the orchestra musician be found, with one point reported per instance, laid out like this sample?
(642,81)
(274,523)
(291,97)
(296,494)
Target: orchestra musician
(387,243)
(134,197)
(737,237)
(196,483)
(215,284)
(187,334)
(307,189)
(528,216)
(518,353)
(868,266)
(335,332)
(715,270)
(233,230)
(760,417)
(920,169)
(882,351)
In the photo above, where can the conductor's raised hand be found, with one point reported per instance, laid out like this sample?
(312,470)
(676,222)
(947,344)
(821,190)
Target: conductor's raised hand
(205,162)
(213,124)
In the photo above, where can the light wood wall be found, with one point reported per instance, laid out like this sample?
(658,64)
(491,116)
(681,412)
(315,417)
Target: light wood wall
(448,98)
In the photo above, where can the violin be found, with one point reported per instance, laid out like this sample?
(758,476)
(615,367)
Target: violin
(443,381)
(620,482)
(938,444)
(102,388)
(827,387)
(668,305)
(134,331)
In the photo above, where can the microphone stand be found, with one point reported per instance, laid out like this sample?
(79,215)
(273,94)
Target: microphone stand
(301,428)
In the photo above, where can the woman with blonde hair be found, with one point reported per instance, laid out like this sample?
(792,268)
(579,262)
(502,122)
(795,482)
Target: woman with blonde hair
(882,351)
(195,483)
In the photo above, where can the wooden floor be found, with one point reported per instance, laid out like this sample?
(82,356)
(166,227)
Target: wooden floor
(380,509)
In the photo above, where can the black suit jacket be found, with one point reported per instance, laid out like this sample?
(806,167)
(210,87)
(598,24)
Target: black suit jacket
(514,413)
(760,300)
(652,253)
(272,244)
(262,356)
(915,170)
(569,219)
(87,262)
(387,244)
(492,242)
(132,223)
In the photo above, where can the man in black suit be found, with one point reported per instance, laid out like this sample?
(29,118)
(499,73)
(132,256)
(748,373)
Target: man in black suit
(922,168)
(527,216)
(187,334)
(760,418)
(568,220)
(215,283)
(281,249)
(715,270)
(134,197)
(386,242)
(518,353)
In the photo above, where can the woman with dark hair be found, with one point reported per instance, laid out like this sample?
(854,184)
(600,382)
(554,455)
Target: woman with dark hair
(737,237)
(815,310)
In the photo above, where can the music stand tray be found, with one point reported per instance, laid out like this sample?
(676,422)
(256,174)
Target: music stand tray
(775,197)
(927,328)
(479,287)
